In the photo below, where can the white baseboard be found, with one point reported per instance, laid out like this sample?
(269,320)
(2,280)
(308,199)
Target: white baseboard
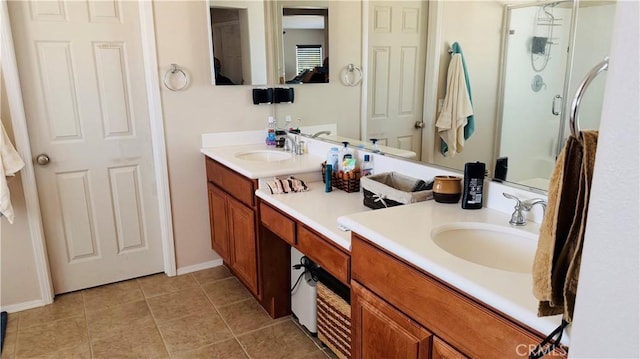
(12,308)
(200,266)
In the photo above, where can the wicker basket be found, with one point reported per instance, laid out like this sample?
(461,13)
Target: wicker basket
(334,321)
(391,189)
(348,182)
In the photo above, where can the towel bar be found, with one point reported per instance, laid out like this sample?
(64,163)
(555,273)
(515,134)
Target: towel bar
(582,88)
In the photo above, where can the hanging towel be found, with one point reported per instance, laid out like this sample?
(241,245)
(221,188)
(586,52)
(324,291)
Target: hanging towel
(456,108)
(469,128)
(557,260)
(287,185)
(10,163)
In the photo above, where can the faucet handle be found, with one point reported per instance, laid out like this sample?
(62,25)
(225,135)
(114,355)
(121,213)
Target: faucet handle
(510,196)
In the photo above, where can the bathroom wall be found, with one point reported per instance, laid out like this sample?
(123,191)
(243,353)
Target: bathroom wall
(181,36)
(481,48)
(17,264)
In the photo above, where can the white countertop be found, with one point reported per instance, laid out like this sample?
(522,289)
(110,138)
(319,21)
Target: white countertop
(319,210)
(260,169)
(409,238)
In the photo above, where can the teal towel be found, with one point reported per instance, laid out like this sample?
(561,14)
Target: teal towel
(470,127)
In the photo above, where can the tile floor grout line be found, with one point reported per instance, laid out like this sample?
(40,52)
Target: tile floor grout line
(233,335)
(86,322)
(155,321)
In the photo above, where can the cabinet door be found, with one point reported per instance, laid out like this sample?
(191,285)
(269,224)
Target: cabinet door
(442,350)
(218,222)
(381,331)
(242,236)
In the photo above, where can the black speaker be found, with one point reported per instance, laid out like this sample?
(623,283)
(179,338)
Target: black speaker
(283,94)
(262,96)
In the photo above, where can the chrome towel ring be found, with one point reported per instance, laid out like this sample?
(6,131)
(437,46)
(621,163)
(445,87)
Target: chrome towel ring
(353,75)
(574,126)
(173,70)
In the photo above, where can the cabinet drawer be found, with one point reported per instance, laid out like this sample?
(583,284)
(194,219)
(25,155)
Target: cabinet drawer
(325,254)
(240,187)
(476,330)
(278,223)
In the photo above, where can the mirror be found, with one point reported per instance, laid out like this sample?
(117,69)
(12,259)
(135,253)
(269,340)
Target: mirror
(303,42)
(237,42)
(478,27)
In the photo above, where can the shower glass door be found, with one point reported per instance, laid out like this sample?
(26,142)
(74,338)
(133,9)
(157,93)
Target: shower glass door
(548,47)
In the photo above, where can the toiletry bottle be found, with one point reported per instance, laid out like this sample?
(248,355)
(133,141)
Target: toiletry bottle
(472,195)
(332,159)
(343,152)
(327,178)
(366,167)
(271,131)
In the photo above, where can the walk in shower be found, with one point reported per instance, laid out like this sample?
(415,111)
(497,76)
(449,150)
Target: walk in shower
(548,47)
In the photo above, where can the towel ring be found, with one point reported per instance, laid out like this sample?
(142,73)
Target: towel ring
(174,69)
(356,75)
(582,88)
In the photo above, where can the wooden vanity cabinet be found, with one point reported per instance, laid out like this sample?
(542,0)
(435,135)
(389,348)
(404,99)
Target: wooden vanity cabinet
(461,325)
(233,221)
(380,331)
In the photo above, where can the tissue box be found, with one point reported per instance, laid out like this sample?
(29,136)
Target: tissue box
(391,189)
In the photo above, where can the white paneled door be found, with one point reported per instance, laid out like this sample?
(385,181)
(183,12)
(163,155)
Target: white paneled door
(397,47)
(82,77)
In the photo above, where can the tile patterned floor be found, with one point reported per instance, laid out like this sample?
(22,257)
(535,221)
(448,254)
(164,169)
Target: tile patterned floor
(207,314)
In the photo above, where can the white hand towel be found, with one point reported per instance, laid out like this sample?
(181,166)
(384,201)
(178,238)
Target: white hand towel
(456,107)
(10,163)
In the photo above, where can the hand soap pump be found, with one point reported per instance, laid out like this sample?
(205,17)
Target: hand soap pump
(472,194)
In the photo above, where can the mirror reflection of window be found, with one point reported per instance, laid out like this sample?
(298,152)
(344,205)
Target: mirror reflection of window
(305,45)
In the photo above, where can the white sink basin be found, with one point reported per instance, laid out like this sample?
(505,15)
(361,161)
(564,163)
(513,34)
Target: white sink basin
(264,156)
(503,248)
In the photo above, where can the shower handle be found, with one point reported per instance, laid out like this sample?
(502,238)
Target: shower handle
(554,103)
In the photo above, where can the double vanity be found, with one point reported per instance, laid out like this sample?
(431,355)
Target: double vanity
(428,280)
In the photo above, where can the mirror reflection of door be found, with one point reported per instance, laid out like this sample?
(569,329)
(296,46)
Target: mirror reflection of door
(226,28)
(397,51)
(305,41)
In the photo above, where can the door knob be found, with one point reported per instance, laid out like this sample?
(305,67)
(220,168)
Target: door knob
(419,124)
(42,159)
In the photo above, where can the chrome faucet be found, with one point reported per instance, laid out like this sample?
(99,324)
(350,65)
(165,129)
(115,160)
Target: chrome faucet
(517,217)
(291,144)
(321,133)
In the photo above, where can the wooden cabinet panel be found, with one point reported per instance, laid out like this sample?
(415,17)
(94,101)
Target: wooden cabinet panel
(381,331)
(281,225)
(320,251)
(214,171)
(218,221)
(242,236)
(442,350)
(240,187)
(464,323)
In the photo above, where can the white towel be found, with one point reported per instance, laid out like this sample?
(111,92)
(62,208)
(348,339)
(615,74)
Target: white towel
(456,107)
(10,163)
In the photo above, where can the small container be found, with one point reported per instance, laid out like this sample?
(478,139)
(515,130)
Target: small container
(447,189)
(366,167)
(332,159)
(473,196)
